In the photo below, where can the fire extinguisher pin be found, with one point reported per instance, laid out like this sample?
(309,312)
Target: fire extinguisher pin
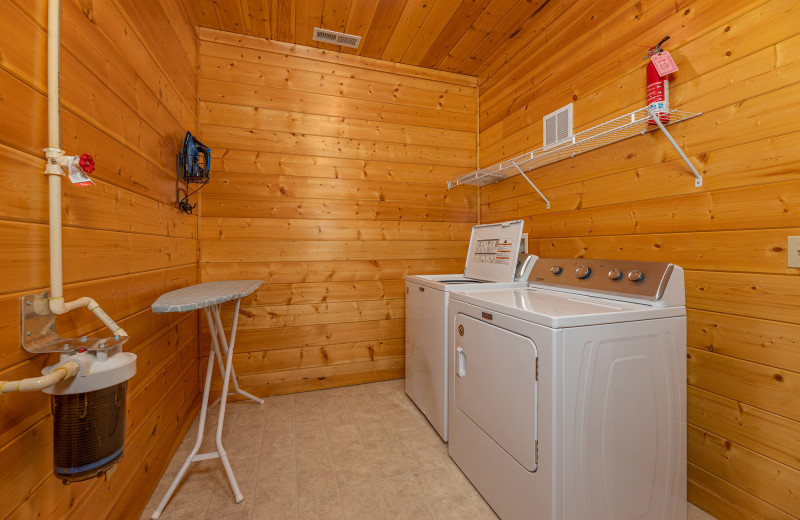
(656,48)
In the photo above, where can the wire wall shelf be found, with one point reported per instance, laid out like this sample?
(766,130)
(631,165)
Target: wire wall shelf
(634,123)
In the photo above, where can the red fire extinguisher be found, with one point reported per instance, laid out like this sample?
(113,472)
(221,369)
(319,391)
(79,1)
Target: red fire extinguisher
(657,88)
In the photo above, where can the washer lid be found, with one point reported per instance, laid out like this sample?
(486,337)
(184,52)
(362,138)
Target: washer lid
(493,250)
(457,282)
(556,309)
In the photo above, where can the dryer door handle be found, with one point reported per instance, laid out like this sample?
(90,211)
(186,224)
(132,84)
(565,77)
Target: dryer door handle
(461,362)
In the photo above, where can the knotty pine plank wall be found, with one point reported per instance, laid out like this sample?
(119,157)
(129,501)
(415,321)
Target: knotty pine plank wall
(738,65)
(328,183)
(128,78)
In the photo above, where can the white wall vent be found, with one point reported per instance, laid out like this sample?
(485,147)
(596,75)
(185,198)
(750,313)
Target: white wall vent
(336,38)
(557,127)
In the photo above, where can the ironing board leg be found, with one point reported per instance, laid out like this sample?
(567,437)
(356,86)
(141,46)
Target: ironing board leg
(223,456)
(224,343)
(198,442)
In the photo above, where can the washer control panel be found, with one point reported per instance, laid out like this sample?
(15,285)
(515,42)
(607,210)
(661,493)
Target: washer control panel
(620,277)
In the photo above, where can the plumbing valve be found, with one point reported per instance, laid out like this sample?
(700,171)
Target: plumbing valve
(77,166)
(86,163)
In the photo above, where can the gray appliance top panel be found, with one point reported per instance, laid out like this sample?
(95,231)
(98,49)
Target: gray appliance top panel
(621,278)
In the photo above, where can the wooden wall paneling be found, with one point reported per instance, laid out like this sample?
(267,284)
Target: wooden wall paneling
(87,254)
(317,378)
(247,72)
(303,144)
(287,207)
(307,357)
(128,83)
(746,469)
(250,250)
(288,229)
(755,251)
(769,205)
(247,161)
(768,342)
(149,21)
(321,292)
(321,104)
(711,492)
(636,200)
(315,271)
(747,426)
(330,188)
(255,341)
(764,296)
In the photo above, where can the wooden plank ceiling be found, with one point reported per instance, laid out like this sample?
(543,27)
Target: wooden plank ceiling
(449,35)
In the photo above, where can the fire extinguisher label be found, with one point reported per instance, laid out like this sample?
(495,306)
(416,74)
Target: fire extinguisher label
(664,63)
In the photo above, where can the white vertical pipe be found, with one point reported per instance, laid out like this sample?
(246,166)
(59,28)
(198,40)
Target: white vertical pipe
(54,142)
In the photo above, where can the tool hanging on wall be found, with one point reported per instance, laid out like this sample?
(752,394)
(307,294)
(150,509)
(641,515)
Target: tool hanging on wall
(194,165)
(659,68)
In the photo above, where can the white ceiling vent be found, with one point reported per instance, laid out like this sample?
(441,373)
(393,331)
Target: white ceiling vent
(558,127)
(336,38)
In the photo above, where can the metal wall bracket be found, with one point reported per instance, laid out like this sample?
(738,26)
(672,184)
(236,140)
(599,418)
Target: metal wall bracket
(39,330)
(698,179)
(531,183)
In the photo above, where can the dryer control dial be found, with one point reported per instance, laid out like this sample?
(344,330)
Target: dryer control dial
(583,272)
(614,274)
(636,276)
(556,269)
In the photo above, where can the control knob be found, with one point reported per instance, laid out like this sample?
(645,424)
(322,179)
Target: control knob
(583,272)
(614,274)
(636,276)
(555,269)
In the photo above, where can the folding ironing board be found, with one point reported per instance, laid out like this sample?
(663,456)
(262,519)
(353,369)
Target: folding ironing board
(210,297)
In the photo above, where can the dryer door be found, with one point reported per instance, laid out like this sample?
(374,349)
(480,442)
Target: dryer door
(496,386)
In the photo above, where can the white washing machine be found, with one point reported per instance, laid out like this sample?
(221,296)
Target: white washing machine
(568,398)
(493,261)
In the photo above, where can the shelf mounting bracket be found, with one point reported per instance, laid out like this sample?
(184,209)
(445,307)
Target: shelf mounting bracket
(531,183)
(698,179)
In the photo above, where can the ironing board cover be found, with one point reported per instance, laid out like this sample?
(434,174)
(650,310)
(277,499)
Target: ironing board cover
(203,295)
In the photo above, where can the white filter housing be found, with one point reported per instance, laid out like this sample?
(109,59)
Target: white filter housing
(101,370)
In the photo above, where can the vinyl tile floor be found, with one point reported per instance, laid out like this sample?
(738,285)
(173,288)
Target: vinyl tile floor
(360,452)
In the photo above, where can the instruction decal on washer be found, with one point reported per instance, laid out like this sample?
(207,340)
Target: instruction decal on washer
(493,251)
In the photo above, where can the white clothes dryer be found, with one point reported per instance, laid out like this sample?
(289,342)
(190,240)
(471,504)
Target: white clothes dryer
(493,261)
(568,398)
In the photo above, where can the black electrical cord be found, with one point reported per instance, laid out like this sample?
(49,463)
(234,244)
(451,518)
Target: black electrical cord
(184,202)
